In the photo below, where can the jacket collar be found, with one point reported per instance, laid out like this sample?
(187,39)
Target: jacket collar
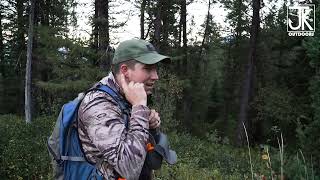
(111,82)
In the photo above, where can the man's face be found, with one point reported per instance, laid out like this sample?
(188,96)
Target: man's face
(144,73)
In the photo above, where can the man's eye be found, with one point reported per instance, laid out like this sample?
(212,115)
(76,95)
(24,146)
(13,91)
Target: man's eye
(148,68)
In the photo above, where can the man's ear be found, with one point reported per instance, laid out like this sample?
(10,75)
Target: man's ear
(124,69)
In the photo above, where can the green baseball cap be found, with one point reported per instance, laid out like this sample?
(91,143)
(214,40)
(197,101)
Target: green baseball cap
(139,50)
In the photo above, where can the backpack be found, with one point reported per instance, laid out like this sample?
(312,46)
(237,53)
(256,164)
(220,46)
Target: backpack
(69,161)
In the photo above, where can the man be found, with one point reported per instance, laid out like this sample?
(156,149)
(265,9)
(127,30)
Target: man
(102,128)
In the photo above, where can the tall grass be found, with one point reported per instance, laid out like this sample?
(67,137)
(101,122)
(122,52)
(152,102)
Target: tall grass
(281,152)
(304,165)
(312,171)
(248,145)
(270,165)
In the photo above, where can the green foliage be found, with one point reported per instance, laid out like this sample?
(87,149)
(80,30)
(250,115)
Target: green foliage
(168,91)
(51,96)
(11,94)
(52,19)
(282,100)
(199,102)
(297,167)
(23,155)
(237,16)
(276,113)
(23,151)
(308,133)
(205,159)
(66,69)
(200,94)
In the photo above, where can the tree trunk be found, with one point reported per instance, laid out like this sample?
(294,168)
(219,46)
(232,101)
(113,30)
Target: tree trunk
(95,29)
(157,26)
(20,35)
(247,89)
(104,24)
(184,24)
(37,12)
(183,65)
(239,28)
(46,20)
(228,86)
(180,33)
(206,28)
(2,73)
(142,11)
(103,34)
(44,12)
(28,65)
(166,5)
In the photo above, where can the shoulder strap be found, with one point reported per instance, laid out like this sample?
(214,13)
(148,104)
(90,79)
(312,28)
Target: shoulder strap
(124,106)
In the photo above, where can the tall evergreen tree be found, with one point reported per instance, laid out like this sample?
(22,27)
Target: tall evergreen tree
(28,100)
(232,66)
(247,92)
(104,24)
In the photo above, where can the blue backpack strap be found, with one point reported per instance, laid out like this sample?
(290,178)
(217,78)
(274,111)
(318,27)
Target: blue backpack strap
(124,105)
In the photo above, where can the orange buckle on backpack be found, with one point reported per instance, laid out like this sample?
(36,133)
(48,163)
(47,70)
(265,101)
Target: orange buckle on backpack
(121,178)
(150,147)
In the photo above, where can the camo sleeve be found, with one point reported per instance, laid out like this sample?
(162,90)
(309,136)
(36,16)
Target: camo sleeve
(103,134)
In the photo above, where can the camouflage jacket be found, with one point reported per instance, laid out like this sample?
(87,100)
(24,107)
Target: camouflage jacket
(103,134)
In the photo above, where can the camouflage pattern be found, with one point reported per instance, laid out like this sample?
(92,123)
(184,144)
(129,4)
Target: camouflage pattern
(104,136)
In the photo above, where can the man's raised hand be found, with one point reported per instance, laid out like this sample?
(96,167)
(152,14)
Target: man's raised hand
(134,92)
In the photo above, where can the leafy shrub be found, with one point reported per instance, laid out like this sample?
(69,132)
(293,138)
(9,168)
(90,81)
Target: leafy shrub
(23,152)
(202,159)
(23,155)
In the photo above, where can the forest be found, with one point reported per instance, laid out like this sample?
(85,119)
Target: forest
(237,103)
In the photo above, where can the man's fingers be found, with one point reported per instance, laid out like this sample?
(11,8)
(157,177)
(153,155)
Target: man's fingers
(155,124)
(124,83)
(152,113)
(139,85)
(154,119)
(131,84)
(156,116)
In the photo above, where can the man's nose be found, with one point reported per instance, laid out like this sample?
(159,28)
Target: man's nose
(154,75)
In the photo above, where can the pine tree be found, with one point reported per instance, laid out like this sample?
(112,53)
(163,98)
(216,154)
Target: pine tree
(247,86)
(28,100)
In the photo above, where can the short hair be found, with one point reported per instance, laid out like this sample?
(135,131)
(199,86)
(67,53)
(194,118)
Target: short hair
(115,68)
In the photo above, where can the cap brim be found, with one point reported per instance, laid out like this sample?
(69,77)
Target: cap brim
(168,155)
(171,158)
(151,58)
